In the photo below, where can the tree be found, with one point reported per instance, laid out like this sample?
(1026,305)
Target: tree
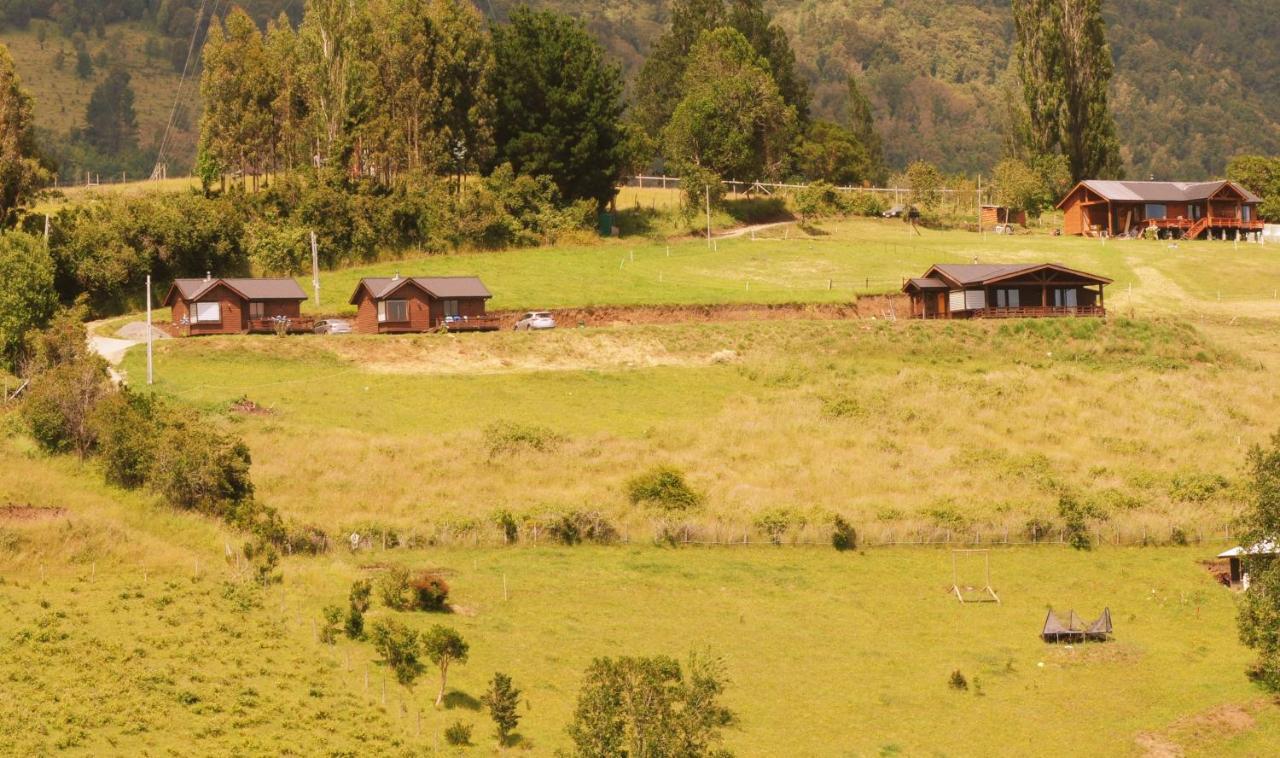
(831,153)
(442,647)
(1261,175)
(1258,618)
(67,381)
(27,299)
(861,120)
(503,701)
(84,63)
(926,184)
(398,645)
(649,707)
(559,105)
(1065,66)
(111,125)
(21,169)
(357,605)
(770,41)
(732,119)
(464,112)
(236,87)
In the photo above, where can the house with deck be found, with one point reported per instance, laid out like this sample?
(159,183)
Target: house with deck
(388,305)
(236,306)
(1005,290)
(1181,210)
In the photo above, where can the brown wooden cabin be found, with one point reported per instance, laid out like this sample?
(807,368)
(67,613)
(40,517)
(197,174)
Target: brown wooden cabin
(1184,210)
(422,303)
(236,306)
(1016,290)
(994,215)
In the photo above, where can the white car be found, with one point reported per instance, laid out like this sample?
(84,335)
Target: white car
(536,320)
(332,326)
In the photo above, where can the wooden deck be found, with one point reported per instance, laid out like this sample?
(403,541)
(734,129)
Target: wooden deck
(473,324)
(301,325)
(1192,229)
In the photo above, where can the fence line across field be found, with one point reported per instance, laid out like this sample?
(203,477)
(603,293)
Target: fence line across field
(737,186)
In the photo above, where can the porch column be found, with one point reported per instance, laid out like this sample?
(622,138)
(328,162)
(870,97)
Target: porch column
(1110,216)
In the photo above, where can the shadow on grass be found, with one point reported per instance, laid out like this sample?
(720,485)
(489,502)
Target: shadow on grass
(758,210)
(455,699)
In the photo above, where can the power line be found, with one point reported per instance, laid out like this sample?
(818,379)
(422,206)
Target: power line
(186,68)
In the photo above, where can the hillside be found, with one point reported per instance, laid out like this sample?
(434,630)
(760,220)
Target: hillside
(1194,83)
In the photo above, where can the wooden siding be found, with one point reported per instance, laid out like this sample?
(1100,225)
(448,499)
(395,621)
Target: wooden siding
(231,308)
(425,312)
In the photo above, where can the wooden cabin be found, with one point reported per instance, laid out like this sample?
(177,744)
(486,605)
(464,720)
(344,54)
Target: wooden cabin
(1183,210)
(421,303)
(236,306)
(997,290)
(997,215)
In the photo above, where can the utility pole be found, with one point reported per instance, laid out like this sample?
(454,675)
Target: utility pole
(707,189)
(979,203)
(315,267)
(150,370)
(46,230)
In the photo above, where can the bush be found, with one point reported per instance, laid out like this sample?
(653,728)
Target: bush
(775,523)
(127,425)
(458,734)
(398,646)
(357,604)
(1075,521)
(430,591)
(573,527)
(502,700)
(865,204)
(843,535)
(819,200)
(957,681)
(508,438)
(58,406)
(332,621)
(665,487)
(506,521)
(199,468)
(1196,487)
(393,588)
(27,299)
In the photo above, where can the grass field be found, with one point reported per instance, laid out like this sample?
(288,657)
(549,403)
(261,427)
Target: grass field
(828,653)
(906,429)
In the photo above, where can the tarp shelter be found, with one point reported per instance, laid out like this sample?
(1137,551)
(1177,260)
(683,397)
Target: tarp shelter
(1074,629)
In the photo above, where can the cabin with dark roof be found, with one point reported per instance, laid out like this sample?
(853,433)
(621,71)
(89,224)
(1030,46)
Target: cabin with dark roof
(236,306)
(1014,290)
(388,305)
(1183,210)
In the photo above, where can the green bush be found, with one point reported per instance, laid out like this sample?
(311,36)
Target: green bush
(1075,521)
(843,535)
(573,526)
(27,299)
(399,646)
(458,734)
(664,487)
(430,591)
(127,425)
(819,200)
(1196,487)
(332,622)
(506,521)
(508,438)
(777,522)
(957,681)
(200,468)
(393,588)
(357,605)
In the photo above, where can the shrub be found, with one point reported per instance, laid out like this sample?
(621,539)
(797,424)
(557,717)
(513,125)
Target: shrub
(430,591)
(332,620)
(506,521)
(27,299)
(126,425)
(458,734)
(357,604)
(819,200)
(843,535)
(665,487)
(393,588)
(444,646)
(1075,521)
(200,468)
(508,438)
(866,204)
(398,646)
(775,523)
(1196,487)
(957,681)
(1037,529)
(572,527)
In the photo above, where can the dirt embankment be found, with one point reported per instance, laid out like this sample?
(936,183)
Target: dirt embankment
(608,315)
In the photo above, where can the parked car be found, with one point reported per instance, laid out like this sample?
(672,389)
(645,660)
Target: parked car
(536,320)
(332,326)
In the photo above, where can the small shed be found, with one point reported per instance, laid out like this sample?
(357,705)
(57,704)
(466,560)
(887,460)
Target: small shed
(389,305)
(994,215)
(1074,629)
(1264,550)
(236,305)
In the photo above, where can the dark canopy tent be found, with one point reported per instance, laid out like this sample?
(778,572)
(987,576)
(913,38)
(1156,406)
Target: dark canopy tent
(1073,629)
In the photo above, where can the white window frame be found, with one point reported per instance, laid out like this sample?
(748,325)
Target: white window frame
(1008,298)
(198,318)
(384,313)
(1164,210)
(257,310)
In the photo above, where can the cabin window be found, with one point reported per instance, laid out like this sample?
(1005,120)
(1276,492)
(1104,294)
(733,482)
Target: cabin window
(1065,298)
(257,311)
(1194,212)
(1156,210)
(206,313)
(1246,213)
(450,308)
(975,300)
(1008,299)
(393,310)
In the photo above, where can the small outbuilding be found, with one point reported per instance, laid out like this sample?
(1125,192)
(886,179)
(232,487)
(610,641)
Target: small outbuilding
(390,305)
(1237,573)
(1005,290)
(999,215)
(236,306)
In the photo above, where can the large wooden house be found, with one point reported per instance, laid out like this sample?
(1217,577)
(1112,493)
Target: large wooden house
(1185,210)
(236,306)
(421,303)
(995,290)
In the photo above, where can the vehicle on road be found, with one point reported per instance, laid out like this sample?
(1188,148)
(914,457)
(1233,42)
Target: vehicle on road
(332,326)
(536,320)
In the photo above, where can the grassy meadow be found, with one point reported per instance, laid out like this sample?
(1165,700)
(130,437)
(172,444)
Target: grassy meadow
(154,641)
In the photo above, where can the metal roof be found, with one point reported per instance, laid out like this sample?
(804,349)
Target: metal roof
(248,288)
(925,283)
(1162,192)
(969,274)
(436,286)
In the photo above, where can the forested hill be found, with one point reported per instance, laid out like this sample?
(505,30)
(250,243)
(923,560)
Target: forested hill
(1195,83)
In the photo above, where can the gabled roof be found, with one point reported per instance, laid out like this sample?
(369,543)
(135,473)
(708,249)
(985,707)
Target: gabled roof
(248,288)
(1159,192)
(977,274)
(924,283)
(440,287)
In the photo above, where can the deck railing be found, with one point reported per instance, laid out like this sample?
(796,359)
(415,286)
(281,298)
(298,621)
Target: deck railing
(471,323)
(1042,311)
(293,325)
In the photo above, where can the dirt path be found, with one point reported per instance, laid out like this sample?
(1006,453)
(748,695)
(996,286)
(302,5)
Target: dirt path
(110,348)
(742,231)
